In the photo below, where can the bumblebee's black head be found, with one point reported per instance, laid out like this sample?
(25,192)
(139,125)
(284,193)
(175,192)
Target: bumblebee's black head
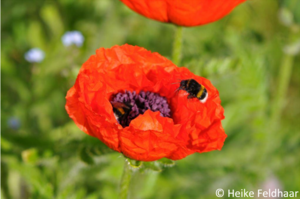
(184,84)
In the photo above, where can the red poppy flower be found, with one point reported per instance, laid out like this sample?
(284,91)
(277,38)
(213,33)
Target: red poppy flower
(163,122)
(183,12)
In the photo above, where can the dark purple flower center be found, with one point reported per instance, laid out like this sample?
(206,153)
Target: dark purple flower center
(139,103)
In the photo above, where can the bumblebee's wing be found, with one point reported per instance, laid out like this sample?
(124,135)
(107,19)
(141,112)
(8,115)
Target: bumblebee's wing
(120,105)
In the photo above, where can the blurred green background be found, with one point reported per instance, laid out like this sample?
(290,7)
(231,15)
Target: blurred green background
(251,56)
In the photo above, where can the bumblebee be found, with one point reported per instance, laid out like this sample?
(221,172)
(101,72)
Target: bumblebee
(194,89)
(121,111)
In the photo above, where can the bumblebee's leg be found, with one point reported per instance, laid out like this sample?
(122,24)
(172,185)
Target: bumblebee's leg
(177,90)
(190,96)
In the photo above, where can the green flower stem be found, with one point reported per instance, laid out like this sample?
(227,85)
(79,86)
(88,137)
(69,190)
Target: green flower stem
(277,106)
(125,181)
(177,45)
(281,91)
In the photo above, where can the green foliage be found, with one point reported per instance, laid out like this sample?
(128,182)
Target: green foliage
(156,166)
(251,56)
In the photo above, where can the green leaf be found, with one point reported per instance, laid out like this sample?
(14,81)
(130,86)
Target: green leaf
(135,164)
(152,166)
(209,67)
(85,156)
(35,35)
(100,150)
(30,156)
(166,162)
(52,18)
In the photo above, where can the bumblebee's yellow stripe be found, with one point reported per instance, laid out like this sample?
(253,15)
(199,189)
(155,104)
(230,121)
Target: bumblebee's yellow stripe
(121,110)
(200,92)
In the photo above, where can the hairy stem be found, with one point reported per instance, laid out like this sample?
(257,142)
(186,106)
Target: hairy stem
(125,181)
(177,45)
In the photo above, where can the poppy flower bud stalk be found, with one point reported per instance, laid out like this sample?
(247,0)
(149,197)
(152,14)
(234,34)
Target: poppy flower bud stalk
(177,45)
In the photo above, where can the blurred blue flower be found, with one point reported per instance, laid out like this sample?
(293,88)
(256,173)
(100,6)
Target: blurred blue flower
(35,55)
(14,123)
(72,37)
